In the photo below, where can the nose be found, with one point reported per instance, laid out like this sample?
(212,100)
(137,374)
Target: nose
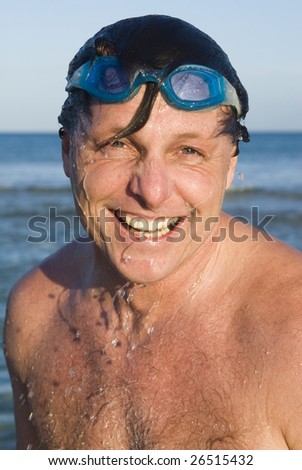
(151,182)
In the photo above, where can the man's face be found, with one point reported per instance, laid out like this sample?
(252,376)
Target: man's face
(176,167)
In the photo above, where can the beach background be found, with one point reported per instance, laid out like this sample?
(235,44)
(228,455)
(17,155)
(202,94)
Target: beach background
(38,40)
(32,181)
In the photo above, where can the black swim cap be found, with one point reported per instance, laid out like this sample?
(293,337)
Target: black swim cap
(159,41)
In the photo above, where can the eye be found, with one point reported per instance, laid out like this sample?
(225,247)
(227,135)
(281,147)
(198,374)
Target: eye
(119,149)
(188,155)
(117,144)
(190,151)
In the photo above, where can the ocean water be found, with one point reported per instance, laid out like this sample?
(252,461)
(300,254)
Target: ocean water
(268,177)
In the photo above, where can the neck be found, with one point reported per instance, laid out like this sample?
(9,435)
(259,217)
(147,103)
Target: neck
(195,278)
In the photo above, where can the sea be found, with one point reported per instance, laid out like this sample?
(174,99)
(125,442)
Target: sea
(34,191)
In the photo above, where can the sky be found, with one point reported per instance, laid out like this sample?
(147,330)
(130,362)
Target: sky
(38,39)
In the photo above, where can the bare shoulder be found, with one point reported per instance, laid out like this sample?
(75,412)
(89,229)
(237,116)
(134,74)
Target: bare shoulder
(280,271)
(30,315)
(278,295)
(55,272)
(276,285)
(29,306)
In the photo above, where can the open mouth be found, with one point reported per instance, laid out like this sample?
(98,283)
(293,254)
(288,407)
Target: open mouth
(153,229)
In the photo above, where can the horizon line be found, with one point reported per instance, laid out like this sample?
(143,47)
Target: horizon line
(255,131)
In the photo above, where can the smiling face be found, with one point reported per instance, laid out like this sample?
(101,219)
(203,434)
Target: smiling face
(147,199)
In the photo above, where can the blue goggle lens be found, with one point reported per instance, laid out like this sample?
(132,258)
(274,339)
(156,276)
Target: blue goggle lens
(189,87)
(112,80)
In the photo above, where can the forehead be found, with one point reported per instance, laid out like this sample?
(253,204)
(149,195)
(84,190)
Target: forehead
(115,117)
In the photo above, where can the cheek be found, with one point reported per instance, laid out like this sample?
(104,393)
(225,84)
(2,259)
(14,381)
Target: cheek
(231,171)
(95,185)
(86,185)
(203,188)
(100,181)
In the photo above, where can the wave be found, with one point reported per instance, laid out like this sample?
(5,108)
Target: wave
(266,192)
(35,189)
(64,188)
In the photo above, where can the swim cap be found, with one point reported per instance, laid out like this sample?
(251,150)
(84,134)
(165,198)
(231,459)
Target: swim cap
(159,41)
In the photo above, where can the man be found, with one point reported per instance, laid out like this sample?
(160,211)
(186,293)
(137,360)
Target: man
(165,331)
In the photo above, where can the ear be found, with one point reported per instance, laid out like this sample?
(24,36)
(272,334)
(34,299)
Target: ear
(65,153)
(231,171)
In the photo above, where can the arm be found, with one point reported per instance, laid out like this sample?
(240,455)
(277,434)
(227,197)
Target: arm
(288,376)
(15,348)
(26,434)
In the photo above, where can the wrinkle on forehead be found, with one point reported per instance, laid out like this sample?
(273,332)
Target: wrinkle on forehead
(111,119)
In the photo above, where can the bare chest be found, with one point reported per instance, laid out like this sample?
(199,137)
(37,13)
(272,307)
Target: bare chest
(102,390)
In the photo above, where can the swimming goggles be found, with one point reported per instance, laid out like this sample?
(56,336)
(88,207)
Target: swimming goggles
(188,87)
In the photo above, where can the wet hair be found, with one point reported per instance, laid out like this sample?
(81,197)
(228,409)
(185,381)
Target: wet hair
(158,42)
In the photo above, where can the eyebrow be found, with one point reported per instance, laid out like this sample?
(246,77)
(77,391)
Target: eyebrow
(195,135)
(188,135)
(102,138)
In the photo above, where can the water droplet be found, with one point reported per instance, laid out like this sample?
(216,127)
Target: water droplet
(121,292)
(129,297)
(114,342)
(31,416)
(150,330)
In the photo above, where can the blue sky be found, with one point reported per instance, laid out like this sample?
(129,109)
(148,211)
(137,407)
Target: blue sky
(38,39)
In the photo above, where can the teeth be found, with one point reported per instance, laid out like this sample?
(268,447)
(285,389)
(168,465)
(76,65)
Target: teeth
(136,223)
(145,225)
(159,227)
(159,232)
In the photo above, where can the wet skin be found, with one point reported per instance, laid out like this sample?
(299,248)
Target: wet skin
(145,343)
(175,166)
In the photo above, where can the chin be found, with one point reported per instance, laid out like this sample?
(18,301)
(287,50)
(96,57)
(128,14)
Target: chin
(142,271)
